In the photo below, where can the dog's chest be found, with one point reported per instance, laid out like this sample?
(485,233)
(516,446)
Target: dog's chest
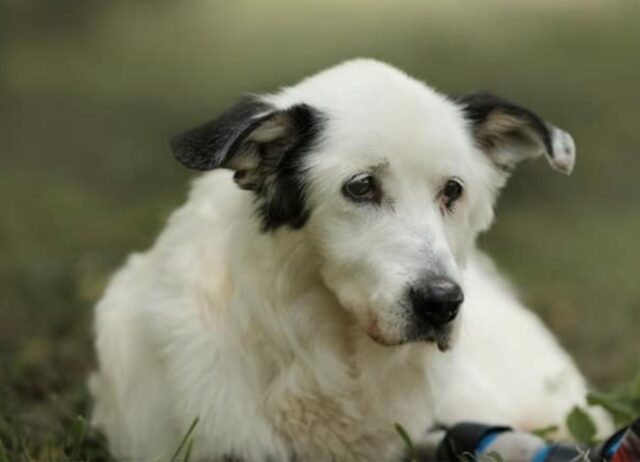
(351,420)
(332,427)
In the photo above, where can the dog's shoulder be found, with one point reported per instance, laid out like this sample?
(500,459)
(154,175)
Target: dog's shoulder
(187,261)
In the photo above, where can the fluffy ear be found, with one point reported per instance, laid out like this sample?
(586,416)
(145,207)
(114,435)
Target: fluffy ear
(510,134)
(265,147)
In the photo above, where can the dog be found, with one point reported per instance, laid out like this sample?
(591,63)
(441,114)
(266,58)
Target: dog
(322,283)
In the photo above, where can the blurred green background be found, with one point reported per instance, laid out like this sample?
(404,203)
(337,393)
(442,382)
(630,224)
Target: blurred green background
(90,91)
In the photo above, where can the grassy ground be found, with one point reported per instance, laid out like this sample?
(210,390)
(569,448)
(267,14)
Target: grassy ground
(90,92)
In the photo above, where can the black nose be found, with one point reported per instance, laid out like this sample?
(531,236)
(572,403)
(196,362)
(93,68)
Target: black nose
(436,301)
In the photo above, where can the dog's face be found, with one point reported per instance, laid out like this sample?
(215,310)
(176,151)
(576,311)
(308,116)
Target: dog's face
(390,181)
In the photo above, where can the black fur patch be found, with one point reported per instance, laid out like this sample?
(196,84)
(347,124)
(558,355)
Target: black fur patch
(481,107)
(288,204)
(266,148)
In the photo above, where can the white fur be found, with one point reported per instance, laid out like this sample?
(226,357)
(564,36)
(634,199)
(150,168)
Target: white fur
(263,336)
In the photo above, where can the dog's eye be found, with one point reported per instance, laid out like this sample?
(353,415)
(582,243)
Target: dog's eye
(362,188)
(451,193)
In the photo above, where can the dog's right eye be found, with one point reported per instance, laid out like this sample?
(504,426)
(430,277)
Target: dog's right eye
(362,188)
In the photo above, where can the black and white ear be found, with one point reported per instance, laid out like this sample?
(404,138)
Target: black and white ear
(510,134)
(252,138)
(265,147)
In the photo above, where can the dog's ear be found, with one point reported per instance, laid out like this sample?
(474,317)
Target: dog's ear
(510,134)
(252,138)
(265,147)
(210,145)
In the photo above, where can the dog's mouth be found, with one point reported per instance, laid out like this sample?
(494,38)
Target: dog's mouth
(375,333)
(441,337)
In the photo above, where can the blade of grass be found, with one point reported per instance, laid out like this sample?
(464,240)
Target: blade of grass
(545,432)
(185,439)
(187,453)
(413,457)
(79,434)
(3,453)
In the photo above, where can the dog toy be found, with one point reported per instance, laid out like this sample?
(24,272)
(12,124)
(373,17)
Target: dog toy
(486,443)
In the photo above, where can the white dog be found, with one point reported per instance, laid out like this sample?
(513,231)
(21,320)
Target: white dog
(310,292)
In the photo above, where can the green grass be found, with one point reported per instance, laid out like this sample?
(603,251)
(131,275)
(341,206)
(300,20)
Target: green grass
(91,91)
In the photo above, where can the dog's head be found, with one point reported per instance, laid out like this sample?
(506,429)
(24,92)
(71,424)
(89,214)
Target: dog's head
(389,180)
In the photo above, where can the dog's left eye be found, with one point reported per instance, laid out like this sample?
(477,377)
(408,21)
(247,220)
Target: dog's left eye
(362,188)
(450,193)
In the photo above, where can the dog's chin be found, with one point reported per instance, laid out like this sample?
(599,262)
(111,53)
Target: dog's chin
(381,340)
(442,338)
(377,335)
